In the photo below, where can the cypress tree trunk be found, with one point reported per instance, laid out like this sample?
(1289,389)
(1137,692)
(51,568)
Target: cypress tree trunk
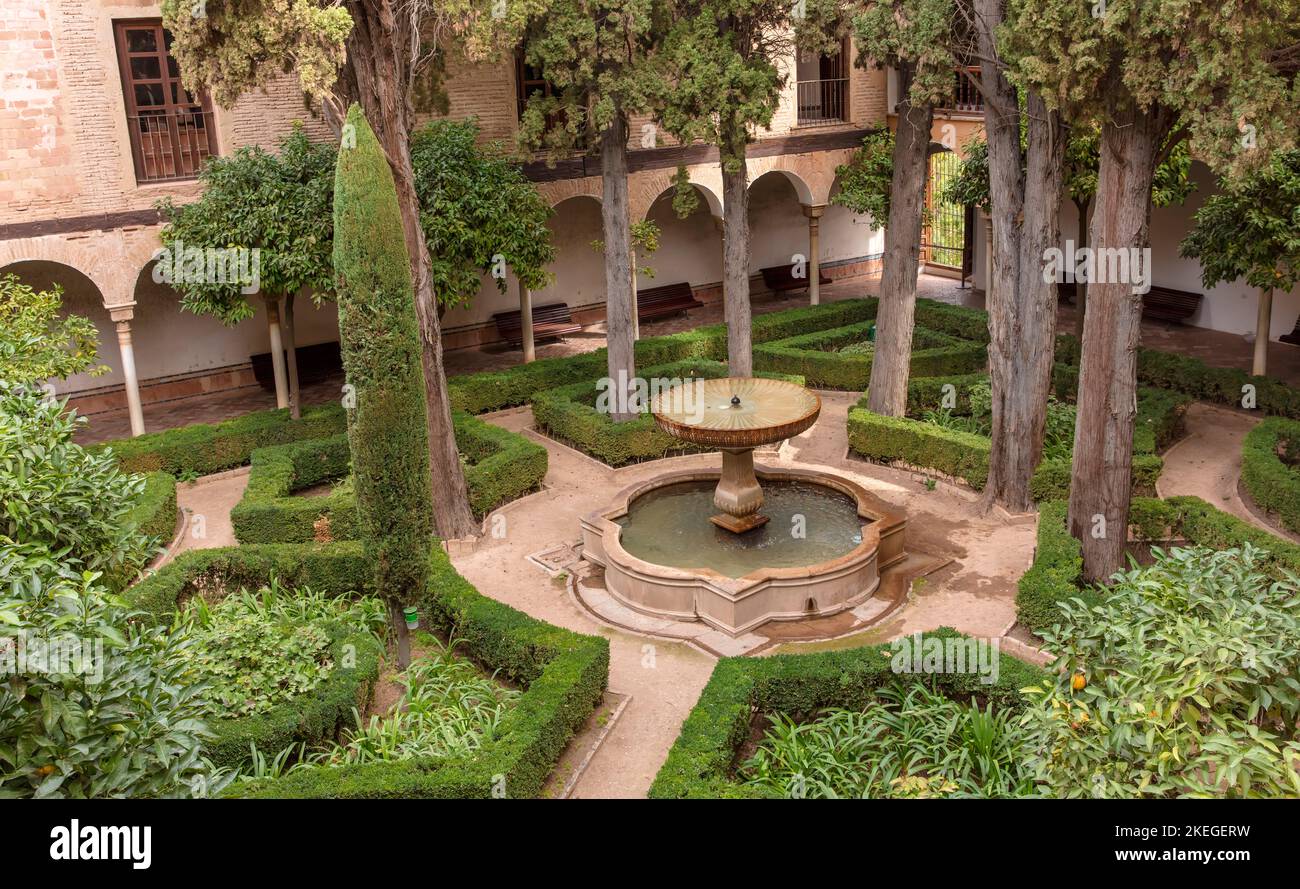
(895,319)
(1081,287)
(735,252)
(380,339)
(377,52)
(620,305)
(1022,315)
(1101,476)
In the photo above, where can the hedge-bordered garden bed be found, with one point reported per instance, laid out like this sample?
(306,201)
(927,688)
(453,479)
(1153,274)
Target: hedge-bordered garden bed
(493,390)
(154,515)
(563,674)
(816,356)
(964,455)
(1271,483)
(569,414)
(1057,568)
(1195,378)
(501,466)
(703,760)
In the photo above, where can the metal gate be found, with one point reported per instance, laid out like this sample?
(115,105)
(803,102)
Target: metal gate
(943,239)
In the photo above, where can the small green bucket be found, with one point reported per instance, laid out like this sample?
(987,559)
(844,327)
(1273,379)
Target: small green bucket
(412,616)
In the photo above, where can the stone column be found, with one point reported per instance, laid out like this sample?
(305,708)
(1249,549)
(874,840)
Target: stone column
(814,214)
(277,353)
(130,381)
(526,319)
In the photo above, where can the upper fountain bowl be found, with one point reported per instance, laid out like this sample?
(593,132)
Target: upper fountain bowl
(735,412)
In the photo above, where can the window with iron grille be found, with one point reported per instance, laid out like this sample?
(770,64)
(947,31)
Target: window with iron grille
(172,131)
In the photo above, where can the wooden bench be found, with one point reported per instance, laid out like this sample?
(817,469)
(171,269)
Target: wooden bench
(781,277)
(550,322)
(1163,303)
(315,363)
(1168,304)
(660,302)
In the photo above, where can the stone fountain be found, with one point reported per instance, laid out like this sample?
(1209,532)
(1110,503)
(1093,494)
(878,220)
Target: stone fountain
(693,545)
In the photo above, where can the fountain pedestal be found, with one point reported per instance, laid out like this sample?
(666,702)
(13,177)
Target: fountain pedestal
(738,494)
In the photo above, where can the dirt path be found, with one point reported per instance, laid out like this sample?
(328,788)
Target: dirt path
(1206,463)
(206,504)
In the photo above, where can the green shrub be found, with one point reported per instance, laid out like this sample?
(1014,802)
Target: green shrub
(945,444)
(1180,683)
(1054,576)
(569,414)
(74,502)
(493,390)
(379,336)
(563,674)
(203,448)
(1200,381)
(501,466)
(1271,482)
(280,666)
(909,743)
(818,357)
(962,455)
(701,764)
(112,716)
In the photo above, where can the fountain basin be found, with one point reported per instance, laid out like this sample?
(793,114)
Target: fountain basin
(736,604)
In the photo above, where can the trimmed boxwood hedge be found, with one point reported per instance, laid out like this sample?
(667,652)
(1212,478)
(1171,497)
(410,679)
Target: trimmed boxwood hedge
(205,448)
(1055,573)
(153,515)
(813,356)
(702,762)
(563,674)
(1191,376)
(493,390)
(1272,484)
(503,466)
(966,455)
(569,414)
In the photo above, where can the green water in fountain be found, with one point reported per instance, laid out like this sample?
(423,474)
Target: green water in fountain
(670,526)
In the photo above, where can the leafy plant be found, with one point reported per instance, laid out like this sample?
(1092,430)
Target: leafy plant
(910,742)
(1181,683)
(57,494)
(449,708)
(35,343)
(91,705)
(252,651)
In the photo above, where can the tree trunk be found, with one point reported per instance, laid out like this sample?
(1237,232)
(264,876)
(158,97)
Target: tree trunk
(291,355)
(1262,325)
(403,636)
(735,253)
(1101,477)
(620,308)
(1022,316)
(376,50)
(1081,287)
(887,391)
(274,333)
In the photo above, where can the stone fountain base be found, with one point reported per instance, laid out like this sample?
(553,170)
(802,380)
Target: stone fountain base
(737,605)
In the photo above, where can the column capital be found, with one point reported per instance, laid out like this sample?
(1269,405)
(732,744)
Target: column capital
(121,313)
(814,211)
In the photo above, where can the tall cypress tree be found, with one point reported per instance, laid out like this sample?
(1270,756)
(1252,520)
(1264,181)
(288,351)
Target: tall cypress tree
(380,338)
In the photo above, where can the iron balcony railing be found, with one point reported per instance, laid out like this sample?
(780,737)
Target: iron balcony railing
(822,101)
(171,144)
(966,98)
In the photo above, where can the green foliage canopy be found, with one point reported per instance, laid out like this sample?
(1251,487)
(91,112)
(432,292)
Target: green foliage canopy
(279,203)
(1251,228)
(476,205)
(35,343)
